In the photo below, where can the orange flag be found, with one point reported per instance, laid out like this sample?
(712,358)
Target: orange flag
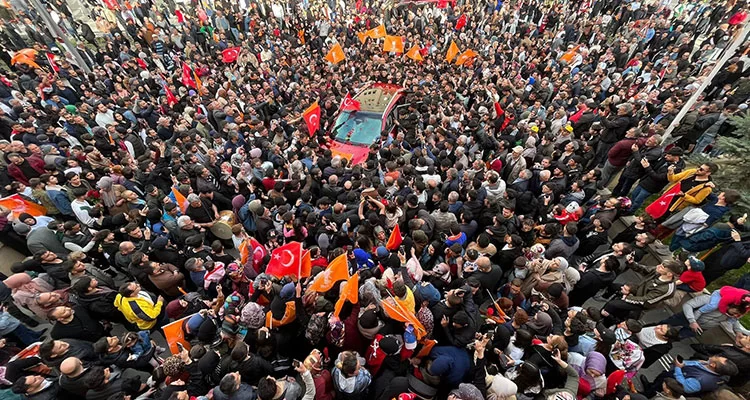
(464,57)
(414,53)
(350,294)
(337,270)
(336,54)
(377,33)
(397,312)
(245,252)
(452,51)
(568,56)
(180,199)
(301,35)
(306,267)
(393,43)
(395,239)
(174,333)
(363,36)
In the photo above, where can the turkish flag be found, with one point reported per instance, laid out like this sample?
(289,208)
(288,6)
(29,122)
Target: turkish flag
(393,43)
(259,253)
(230,55)
(337,270)
(414,53)
(188,77)
(285,260)
(171,99)
(350,293)
(312,118)
(349,104)
(442,4)
(336,54)
(51,61)
(452,51)
(395,239)
(660,206)
(461,22)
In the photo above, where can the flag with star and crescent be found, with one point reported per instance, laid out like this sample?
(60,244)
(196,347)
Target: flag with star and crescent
(658,208)
(349,104)
(312,118)
(287,260)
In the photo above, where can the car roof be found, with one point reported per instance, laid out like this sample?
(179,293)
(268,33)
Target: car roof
(377,97)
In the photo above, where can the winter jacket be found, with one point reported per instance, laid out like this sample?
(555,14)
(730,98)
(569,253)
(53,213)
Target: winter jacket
(634,169)
(651,291)
(563,246)
(655,175)
(692,197)
(450,363)
(16,173)
(141,310)
(615,128)
(620,153)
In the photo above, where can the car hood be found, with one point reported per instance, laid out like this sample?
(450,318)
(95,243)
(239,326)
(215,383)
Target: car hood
(355,154)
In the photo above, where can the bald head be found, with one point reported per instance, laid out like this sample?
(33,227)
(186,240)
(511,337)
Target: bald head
(484,263)
(71,367)
(126,247)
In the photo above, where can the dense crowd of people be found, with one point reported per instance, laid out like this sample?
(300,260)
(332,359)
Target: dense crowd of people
(479,231)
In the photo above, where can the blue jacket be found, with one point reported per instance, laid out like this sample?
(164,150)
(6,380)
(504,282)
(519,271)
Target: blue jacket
(695,377)
(450,363)
(61,201)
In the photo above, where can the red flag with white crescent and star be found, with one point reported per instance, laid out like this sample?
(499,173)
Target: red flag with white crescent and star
(660,206)
(230,55)
(285,260)
(461,22)
(52,63)
(349,104)
(312,118)
(188,78)
(171,99)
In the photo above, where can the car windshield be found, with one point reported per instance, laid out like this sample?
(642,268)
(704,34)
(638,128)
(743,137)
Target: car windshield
(361,128)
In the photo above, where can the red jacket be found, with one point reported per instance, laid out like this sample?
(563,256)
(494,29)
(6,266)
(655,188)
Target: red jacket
(15,172)
(620,153)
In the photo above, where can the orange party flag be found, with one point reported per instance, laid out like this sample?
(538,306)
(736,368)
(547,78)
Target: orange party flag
(464,57)
(395,311)
(337,270)
(393,43)
(180,199)
(350,293)
(301,35)
(452,51)
(414,53)
(306,266)
(363,36)
(245,252)
(395,239)
(377,33)
(336,54)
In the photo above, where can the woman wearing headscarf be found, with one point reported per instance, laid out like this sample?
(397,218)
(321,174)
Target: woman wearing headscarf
(592,375)
(541,355)
(540,325)
(543,273)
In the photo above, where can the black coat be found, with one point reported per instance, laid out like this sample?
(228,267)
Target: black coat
(82,327)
